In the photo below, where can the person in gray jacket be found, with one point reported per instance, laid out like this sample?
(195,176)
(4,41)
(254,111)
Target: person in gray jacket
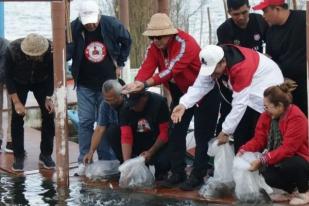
(100,46)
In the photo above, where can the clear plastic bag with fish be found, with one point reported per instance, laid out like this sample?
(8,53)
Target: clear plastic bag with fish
(221,184)
(102,169)
(135,174)
(250,187)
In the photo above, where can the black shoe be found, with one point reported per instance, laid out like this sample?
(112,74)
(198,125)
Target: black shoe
(174,180)
(191,183)
(18,165)
(47,162)
(9,147)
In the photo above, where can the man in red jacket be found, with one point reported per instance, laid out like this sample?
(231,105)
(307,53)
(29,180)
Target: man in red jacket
(176,55)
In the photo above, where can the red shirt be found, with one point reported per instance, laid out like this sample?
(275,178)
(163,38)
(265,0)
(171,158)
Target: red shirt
(182,63)
(293,127)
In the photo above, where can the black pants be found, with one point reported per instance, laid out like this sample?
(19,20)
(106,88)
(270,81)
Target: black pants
(246,127)
(290,173)
(159,160)
(300,94)
(205,120)
(17,123)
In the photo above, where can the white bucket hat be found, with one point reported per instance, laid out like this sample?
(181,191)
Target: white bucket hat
(34,45)
(210,56)
(160,25)
(89,12)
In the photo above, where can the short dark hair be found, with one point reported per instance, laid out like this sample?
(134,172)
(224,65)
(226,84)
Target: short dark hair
(236,4)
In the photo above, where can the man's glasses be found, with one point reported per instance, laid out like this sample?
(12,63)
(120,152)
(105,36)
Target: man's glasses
(155,37)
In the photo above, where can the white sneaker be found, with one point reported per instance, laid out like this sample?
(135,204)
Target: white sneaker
(80,171)
(300,199)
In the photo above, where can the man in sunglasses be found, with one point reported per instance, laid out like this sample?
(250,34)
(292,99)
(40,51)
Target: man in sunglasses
(243,29)
(175,54)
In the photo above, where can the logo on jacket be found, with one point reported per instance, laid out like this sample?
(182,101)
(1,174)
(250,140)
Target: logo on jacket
(143,125)
(95,52)
(236,42)
(257,37)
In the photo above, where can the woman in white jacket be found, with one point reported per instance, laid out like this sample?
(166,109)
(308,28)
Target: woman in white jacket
(248,72)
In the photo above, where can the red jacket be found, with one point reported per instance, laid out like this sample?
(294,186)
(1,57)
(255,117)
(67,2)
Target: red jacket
(182,64)
(294,130)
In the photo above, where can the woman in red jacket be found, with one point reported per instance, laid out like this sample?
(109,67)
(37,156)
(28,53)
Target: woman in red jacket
(282,133)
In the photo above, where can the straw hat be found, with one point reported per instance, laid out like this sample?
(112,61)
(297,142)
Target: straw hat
(34,45)
(160,25)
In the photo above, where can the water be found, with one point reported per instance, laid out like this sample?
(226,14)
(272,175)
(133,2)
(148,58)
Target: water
(36,190)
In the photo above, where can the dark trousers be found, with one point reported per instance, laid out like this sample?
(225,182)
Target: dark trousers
(246,127)
(290,173)
(17,123)
(300,94)
(205,120)
(159,160)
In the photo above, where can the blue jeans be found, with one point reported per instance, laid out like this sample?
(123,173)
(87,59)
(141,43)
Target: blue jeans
(88,103)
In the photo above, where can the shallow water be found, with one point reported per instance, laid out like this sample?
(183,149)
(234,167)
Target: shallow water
(36,190)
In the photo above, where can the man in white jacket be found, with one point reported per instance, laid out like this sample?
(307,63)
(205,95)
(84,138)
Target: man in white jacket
(248,74)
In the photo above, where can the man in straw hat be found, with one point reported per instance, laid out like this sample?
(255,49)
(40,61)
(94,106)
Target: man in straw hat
(175,54)
(29,67)
(100,47)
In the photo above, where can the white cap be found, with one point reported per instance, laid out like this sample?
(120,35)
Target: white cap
(89,12)
(210,56)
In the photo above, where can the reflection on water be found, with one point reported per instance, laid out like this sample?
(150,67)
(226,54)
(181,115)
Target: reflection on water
(36,190)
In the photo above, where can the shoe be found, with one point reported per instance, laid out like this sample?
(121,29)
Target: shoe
(9,147)
(191,183)
(18,165)
(0,143)
(47,162)
(80,170)
(300,199)
(174,180)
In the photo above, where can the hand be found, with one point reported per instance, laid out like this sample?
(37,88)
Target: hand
(147,155)
(118,72)
(255,165)
(177,113)
(20,109)
(88,158)
(222,138)
(49,105)
(134,87)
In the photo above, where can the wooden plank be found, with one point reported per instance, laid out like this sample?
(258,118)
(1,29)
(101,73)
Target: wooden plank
(32,147)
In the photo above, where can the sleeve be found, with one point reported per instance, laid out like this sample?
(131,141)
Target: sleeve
(187,53)
(50,81)
(293,138)
(259,141)
(163,121)
(201,86)
(239,106)
(70,47)
(9,65)
(124,40)
(148,66)
(3,49)
(125,127)
(103,114)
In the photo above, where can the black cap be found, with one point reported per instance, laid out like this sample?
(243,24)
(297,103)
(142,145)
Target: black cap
(134,98)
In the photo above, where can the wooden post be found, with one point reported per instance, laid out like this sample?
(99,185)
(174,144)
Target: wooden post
(225,9)
(60,96)
(294,4)
(209,26)
(163,6)
(307,41)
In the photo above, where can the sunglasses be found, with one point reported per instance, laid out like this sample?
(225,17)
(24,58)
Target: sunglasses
(156,37)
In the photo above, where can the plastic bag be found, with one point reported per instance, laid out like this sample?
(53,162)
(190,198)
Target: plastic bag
(104,169)
(135,174)
(221,184)
(250,186)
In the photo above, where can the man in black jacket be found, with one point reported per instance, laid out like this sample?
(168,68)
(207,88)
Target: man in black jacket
(243,28)
(29,67)
(286,44)
(101,45)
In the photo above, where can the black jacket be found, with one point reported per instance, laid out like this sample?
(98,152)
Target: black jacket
(116,38)
(19,69)
(3,47)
